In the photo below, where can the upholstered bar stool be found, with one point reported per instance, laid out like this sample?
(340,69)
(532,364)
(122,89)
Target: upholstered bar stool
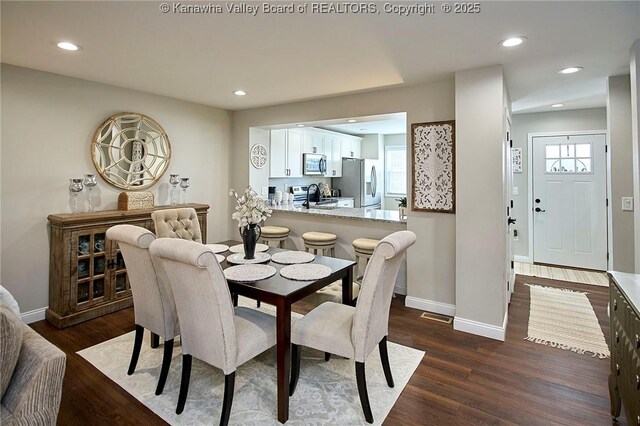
(320,241)
(363,248)
(278,234)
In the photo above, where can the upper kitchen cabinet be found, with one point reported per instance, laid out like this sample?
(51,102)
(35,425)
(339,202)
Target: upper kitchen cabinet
(286,153)
(333,151)
(350,146)
(313,142)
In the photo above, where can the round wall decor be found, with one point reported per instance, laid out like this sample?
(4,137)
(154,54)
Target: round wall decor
(258,156)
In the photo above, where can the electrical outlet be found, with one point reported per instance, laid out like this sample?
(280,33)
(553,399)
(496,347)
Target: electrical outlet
(515,190)
(515,235)
(627,204)
(265,190)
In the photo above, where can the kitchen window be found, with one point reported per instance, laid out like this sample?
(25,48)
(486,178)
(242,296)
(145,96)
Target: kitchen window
(395,170)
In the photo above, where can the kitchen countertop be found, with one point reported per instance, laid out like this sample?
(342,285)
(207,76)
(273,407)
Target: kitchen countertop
(386,216)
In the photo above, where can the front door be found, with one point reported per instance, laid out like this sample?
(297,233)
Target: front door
(569,201)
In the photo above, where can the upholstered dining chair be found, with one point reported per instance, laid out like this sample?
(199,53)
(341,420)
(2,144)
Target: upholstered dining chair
(177,223)
(212,329)
(353,332)
(154,308)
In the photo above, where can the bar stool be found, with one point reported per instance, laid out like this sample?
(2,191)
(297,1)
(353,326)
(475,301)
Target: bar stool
(320,241)
(364,249)
(279,234)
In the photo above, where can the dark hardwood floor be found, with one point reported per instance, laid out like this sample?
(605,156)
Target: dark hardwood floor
(462,380)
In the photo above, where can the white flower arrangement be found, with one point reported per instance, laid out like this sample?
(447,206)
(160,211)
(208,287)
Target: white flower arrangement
(250,208)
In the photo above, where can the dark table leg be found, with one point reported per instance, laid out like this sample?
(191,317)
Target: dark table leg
(283,315)
(347,287)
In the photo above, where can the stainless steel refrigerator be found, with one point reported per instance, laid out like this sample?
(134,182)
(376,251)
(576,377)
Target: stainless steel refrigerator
(362,180)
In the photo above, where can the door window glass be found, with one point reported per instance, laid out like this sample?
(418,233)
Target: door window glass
(568,158)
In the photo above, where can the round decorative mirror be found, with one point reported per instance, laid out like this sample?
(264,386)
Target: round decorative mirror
(131,151)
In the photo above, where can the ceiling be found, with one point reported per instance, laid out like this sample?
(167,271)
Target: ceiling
(279,58)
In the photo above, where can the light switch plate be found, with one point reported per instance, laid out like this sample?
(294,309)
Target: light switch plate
(265,190)
(515,190)
(627,204)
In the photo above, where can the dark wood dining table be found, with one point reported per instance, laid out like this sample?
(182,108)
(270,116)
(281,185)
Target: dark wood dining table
(282,293)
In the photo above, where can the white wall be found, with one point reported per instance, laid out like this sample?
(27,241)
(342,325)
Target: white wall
(431,261)
(390,203)
(635,134)
(480,216)
(621,171)
(47,124)
(543,122)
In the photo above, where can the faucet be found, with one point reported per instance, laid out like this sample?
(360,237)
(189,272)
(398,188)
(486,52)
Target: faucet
(306,204)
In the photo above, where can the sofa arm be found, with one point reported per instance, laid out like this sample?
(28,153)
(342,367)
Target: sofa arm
(35,390)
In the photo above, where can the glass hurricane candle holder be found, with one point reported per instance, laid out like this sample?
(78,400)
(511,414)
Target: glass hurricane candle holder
(184,184)
(75,186)
(90,181)
(174,180)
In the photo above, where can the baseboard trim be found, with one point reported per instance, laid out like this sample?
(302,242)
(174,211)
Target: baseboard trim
(523,259)
(400,289)
(33,316)
(430,306)
(480,329)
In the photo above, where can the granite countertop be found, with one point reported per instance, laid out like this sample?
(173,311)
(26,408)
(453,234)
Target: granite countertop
(385,216)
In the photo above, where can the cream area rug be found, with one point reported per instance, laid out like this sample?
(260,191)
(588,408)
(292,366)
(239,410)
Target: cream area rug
(326,393)
(563,274)
(565,319)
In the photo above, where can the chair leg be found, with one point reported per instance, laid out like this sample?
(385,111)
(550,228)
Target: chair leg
(384,357)
(257,303)
(137,345)
(234,299)
(327,356)
(229,382)
(184,383)
(166,362)
(362,391)
(296,354)
(155,340)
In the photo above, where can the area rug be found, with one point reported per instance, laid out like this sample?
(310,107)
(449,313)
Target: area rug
(565,319)
(563,274)
(326,393)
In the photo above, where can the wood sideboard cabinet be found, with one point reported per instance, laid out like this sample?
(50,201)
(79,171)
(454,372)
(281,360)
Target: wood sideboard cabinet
(624,379)
(87,274)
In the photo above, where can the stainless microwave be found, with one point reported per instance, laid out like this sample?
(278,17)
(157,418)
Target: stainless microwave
(314,164)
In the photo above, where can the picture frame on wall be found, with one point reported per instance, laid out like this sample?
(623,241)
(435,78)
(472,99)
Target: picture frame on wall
(433,166)
(516,160)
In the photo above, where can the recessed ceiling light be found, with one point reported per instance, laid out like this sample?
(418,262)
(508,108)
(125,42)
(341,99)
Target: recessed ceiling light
(239,93)
(363,130)
(513,41)
(557,105)
(570,70)
(66,45)
(351,120)
(300,125)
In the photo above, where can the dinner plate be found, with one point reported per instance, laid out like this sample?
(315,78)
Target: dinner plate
(292,257)
(239,248)
(218,248)
(305,272)
(238,258)
(249,272)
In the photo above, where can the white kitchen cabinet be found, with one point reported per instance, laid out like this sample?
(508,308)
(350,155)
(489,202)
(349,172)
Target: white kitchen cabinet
(314,141)
(286,153)
(350,146)
(333,151)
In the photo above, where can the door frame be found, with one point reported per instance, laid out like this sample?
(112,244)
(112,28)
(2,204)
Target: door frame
(530,137)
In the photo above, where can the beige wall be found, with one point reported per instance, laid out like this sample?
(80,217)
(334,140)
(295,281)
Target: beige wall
(47,124)
(390,203)
(635,135)
(431,262)
(480,216)
(621,171)
(543,122)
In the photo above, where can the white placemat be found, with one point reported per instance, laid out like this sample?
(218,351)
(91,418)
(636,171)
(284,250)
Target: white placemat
(239,248)
(305,272)
(249,272)
(238,258)
(219,258)
(292,257)
(218,248)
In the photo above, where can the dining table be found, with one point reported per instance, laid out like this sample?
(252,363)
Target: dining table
(282,293)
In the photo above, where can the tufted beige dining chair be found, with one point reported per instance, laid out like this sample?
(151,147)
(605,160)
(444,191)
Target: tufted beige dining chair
(353,332)
(153,303)
(177,223)
(212,329)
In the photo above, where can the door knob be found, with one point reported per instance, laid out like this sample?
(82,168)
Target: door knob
(511,221)
(537,200)
(538,209)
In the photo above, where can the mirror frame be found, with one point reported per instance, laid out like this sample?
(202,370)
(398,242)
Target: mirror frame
(98,141)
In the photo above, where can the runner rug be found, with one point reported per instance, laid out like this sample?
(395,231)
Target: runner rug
(565,319)
(326,393)
(563,274)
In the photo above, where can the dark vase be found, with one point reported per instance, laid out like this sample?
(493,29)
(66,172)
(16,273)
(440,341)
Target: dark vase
(250,236)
